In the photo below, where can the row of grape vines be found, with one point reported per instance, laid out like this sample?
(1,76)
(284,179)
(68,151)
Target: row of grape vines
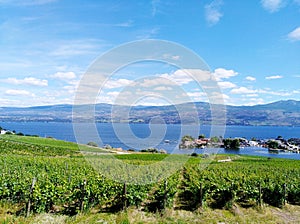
(69,184)
(273,182)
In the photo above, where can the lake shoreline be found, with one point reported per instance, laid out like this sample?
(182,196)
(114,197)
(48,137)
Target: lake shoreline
(137,140)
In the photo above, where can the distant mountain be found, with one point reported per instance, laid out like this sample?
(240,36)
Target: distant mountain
(280,113)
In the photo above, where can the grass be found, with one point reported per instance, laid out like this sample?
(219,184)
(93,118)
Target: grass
(289,214)
(41,141)
(51,142)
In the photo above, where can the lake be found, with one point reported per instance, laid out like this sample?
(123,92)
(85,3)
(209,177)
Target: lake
(140,136)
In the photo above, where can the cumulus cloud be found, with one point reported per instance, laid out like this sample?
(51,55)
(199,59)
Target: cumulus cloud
(226,85)
(275,93)
(64,75)
(250,78)
(18,92)
(252,95)
(70,89)
(248,92)
(221,73)
(243,90)
(27,81)
(117,83)
(156,81)
(162,88)
(294,35)
(272,5)
(185,76)
(274,77)
(196,94)
(212,12)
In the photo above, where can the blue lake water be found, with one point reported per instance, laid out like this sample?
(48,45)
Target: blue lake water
(141,136)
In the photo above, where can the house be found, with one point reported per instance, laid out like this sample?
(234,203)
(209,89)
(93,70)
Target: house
(202,141)
(253,143)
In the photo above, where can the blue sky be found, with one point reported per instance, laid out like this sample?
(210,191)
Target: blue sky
(252,47)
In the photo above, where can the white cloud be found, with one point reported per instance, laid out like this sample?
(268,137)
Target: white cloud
(64,75)
(219,98)
(242,90)
(113,93)
(212,12)
(196,94)
(221,73)
(294,35)
(250,78)
(117,83)
(183,76)
(155,5)
(18,92)
(9,102)
(162,88)
(272,5)
(252,95)
(70,89)
(253,101)
(274,93)
(156,81)
(173,57)
(274,77)
(226,85)
(27,81)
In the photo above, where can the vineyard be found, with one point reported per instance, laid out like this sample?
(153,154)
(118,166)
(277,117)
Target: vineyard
(58,179)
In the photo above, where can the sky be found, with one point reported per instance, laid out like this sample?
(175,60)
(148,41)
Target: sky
(252,48)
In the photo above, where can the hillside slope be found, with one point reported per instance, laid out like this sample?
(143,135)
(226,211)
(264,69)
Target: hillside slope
(280,113)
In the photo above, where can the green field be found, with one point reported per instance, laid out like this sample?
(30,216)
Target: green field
(42,146)
(68,188)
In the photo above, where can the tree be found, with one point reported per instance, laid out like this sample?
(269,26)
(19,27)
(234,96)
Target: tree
(231,143)
(272,144)
(202,136)
(187,138)
(235,144)
(215,139)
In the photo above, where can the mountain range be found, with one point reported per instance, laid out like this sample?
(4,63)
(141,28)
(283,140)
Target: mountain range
(280,113)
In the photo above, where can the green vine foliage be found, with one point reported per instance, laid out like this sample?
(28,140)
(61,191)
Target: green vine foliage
(68,184)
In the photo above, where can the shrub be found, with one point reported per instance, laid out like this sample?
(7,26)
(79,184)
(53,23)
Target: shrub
(194,154)
(93,144)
